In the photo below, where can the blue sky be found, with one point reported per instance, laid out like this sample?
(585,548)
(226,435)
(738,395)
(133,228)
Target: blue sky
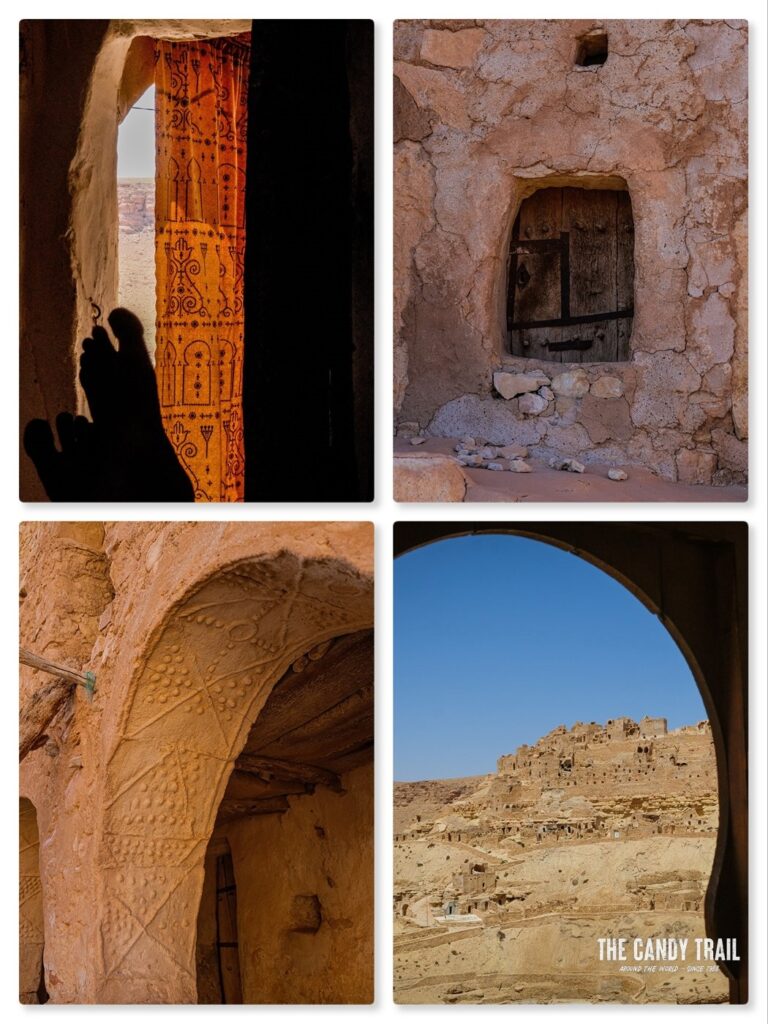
(498,639)
(136,140)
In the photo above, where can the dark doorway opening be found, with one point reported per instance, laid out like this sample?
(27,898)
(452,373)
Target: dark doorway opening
(309,263)
(226,931)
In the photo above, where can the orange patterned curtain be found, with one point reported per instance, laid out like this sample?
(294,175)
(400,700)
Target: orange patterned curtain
(200,135)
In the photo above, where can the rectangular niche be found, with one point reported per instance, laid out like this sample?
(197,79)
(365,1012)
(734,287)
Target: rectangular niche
(571,276)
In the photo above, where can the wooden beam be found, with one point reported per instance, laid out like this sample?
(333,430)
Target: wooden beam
(349,722)
(288,771)
(37,712)
(43,665)
(231,810)
(301,696)
(245,785)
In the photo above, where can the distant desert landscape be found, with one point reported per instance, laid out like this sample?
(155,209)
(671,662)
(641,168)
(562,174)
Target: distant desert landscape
(136,253)
(505,882)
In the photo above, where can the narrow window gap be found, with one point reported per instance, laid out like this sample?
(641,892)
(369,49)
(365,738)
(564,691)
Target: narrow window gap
(592,50)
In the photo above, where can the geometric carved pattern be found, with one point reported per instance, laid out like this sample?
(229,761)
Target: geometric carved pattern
(189,713)
(200,129)
(31,930)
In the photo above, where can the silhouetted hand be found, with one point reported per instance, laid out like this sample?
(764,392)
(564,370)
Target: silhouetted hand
(123,454)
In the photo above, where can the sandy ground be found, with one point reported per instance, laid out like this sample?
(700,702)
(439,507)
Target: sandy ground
(577,893)
(545,484)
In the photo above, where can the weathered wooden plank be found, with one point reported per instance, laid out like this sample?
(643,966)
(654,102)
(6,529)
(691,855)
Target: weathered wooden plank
(300,697)
(244,785)
(286,771)
(535,277)
(226,931)
(348,709)
(52,668)
(317,741)
(625,271)
(589,216)
(347,761)
(231,810)
(38,710)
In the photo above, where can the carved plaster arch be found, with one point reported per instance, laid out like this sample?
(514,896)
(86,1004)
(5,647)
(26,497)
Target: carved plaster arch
(204,676)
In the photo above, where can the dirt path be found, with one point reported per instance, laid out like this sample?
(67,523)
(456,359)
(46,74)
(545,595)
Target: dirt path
(545,484)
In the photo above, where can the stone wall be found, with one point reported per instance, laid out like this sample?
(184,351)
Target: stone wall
(282,960)
(136,205)
(486,113)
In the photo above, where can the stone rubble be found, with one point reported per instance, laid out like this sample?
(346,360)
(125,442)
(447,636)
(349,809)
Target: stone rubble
(567,465)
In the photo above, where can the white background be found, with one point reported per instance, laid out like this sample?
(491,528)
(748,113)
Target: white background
(383,511)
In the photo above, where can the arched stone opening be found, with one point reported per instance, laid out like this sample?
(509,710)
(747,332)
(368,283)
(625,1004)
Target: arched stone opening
(31,918)
(198,688)
(693,577)
(296,824)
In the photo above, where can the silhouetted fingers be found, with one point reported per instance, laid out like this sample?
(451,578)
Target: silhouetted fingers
(128,330)
(99,344)
(39,446)
(38,439)
(98,370)
(83,429)
(65,428)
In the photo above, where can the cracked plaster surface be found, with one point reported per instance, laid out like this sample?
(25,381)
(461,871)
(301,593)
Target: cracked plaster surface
(486,112)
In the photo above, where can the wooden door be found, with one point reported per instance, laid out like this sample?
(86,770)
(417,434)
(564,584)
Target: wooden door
(571,273)
(226,931)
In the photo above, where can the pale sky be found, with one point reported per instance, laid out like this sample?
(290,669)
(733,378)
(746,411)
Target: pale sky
(498,639)
(136,140)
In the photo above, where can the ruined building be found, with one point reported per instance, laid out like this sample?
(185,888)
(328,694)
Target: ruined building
(589,783)
(503,882)
(570,239)
(196,819)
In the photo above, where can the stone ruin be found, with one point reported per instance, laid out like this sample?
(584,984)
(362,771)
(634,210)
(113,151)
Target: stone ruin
(571,239)
(590,783)
(136,205)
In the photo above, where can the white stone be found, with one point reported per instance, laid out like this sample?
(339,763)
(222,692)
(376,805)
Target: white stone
(518,466)
(496,466)
(407,430)
(510,385)
(468,442)
(568,465)
(425,477)
(547,392)
(418,440)
(487,453)
(571,384)
(607,387)
(532,405)
(617,474)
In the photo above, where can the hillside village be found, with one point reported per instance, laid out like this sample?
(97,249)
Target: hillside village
(592,831)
